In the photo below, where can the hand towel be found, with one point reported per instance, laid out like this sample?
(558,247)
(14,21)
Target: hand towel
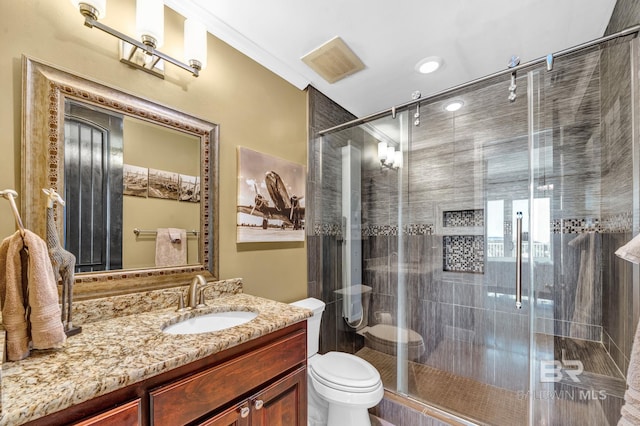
(169,253)
(43,326)
(11,296)
(631,250)
(175,234)
(588,284)
(47,330)
(631,409)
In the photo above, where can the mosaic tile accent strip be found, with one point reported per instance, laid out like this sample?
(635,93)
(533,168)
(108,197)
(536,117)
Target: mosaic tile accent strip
(463,253)
(334,230)
(392,230)
(419,229)
(575,226)
(463,218)
(327,229)
(380,230)
(621,222)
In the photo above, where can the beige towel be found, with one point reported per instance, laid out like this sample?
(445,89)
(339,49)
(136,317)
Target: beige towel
(631,250)
(631,408)
(46,329)
(168,252)
(13,313)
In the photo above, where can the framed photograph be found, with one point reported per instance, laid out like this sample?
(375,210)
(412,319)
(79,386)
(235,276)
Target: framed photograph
(163,184)
(189,188)
(135,180)
(270,198)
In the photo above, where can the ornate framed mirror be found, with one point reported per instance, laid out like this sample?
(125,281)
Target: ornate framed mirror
(144,132)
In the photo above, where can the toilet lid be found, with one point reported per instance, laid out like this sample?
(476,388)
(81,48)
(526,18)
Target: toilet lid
(346,372)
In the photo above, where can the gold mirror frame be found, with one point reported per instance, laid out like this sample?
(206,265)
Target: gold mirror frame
(44,90)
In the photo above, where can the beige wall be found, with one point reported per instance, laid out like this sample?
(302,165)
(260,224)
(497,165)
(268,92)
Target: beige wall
(254,108)
(154,147)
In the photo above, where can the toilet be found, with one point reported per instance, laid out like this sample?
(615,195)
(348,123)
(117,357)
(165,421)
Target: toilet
(341,387)
(387,338)
(384,336)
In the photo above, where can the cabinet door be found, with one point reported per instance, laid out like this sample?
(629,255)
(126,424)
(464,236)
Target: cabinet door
(284,403)
(197,395)
(235,416)
(123,415)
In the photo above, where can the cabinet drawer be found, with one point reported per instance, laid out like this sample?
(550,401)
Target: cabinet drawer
(127,414)
(193,397)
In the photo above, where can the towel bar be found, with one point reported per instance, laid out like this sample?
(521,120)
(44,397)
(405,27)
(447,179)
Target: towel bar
(154,232)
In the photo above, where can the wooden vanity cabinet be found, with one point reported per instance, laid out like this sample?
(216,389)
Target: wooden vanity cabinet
(198,395)
(126,414)
(278,404)
(260,382)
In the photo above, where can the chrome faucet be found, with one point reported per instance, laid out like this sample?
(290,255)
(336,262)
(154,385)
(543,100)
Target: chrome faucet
(197,285)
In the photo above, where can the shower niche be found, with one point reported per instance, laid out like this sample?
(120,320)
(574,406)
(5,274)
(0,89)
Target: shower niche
(463,246)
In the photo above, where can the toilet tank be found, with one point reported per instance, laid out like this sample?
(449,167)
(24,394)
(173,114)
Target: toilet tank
(313,323)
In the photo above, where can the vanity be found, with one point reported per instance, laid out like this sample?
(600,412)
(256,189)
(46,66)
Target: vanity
(127,371)
(123,368)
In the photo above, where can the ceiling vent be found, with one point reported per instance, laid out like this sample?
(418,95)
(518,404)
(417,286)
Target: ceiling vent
(333,60)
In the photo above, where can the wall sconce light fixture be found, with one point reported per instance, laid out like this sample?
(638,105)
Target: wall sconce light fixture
(142,54)
(388,156)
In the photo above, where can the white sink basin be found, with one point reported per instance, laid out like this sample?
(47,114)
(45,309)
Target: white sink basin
(214,321)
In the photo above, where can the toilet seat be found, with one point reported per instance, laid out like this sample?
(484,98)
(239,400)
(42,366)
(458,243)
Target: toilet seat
(345,372)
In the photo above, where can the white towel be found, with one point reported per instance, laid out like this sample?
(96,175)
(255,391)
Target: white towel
(631,409)
(175,234)
(168,252)
(631,250)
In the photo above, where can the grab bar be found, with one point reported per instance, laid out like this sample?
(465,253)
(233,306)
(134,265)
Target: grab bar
(519,260)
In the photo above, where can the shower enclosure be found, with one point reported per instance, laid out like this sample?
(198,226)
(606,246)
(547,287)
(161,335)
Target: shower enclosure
(487,249)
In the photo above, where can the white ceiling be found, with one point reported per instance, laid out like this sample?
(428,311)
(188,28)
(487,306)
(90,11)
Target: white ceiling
(475,38)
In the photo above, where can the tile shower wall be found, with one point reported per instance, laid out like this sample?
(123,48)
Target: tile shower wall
(323,219)
(618,319)
(457,162)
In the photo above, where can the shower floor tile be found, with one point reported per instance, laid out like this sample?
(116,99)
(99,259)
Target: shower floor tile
(490,405)
(464,397)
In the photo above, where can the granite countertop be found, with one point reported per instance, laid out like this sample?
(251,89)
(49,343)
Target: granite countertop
(117,352)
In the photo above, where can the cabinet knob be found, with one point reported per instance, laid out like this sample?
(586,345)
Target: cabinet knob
(244,412)
(258,403)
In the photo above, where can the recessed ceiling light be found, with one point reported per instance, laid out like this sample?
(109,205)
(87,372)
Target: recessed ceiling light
(429,65)
(453,105)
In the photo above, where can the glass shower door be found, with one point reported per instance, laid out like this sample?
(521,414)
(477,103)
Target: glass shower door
(582,168)
(467,178)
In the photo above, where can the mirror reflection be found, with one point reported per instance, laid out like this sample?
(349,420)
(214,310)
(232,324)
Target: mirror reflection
(127,183)
(128,168)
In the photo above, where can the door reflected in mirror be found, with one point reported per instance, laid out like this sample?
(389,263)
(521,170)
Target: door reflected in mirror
(123,174)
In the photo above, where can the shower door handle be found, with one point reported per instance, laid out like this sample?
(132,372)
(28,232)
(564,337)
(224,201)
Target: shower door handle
(519,260)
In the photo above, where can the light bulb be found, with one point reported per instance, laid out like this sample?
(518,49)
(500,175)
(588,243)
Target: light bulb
(429,65)
(382,151)
(195,44)
(150,22)
(391,155)
(397,159)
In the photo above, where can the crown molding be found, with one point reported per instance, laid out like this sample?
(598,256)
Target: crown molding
(233,38)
